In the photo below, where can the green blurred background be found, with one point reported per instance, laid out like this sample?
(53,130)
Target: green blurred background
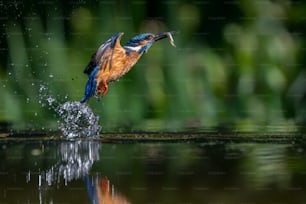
(238,64)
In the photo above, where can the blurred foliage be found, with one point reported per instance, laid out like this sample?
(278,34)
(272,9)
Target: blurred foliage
(237,63)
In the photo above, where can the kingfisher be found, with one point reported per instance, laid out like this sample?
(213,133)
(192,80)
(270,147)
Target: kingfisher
(112,60)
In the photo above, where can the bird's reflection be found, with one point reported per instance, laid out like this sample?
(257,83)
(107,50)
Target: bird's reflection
(100,191)
(74,162)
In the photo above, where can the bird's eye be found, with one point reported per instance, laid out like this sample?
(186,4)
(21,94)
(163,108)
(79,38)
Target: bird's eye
(149,37)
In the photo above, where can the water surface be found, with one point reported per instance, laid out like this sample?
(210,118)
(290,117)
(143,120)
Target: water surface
(215,170)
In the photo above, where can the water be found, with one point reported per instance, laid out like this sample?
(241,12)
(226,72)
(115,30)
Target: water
(206,171)
(78,120)
(75,119)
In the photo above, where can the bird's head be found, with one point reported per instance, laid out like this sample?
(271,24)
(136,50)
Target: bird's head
(142,42)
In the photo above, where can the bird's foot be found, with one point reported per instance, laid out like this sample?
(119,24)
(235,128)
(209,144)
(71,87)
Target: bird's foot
(102,90)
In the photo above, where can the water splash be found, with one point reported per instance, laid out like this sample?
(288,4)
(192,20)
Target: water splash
(76,119)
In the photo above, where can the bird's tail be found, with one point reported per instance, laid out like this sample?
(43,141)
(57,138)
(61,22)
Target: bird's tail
(91,85)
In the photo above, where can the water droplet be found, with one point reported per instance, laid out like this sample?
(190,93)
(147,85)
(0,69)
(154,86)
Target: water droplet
(36,152)
(50,100)
(42,88)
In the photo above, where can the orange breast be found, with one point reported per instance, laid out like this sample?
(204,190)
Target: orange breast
(112,68)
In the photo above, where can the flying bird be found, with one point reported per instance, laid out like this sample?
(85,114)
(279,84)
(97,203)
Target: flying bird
(112,60)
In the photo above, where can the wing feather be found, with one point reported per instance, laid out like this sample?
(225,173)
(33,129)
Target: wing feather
(101,54)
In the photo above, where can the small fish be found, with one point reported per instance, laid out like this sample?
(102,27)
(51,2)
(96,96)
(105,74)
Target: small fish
(169,34)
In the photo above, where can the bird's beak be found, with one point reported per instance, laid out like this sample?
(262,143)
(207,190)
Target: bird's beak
(163,35)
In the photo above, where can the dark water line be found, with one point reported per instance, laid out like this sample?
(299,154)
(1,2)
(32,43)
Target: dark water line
(164,137)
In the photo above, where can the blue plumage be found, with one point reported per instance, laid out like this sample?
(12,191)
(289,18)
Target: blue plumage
(91,85)
(133,42)
(145,48)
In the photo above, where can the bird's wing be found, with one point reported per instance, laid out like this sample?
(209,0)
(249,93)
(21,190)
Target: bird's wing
(101,55)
